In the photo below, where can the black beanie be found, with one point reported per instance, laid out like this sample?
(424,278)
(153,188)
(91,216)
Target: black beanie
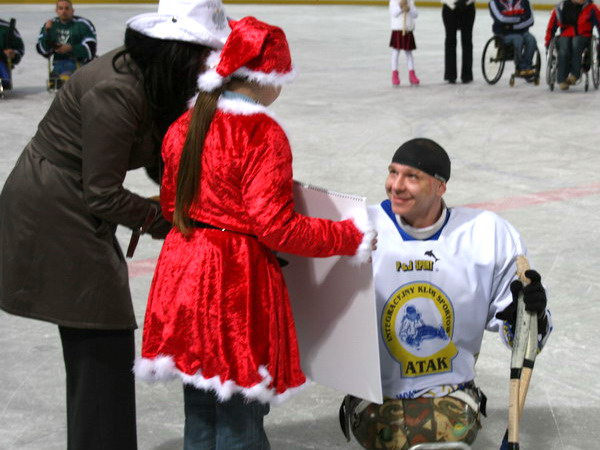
(426,155)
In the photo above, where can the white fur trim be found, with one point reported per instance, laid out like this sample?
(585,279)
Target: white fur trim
(212,60)
(237,106)
(209,80)
(272,78)
(162,368)
(363,253)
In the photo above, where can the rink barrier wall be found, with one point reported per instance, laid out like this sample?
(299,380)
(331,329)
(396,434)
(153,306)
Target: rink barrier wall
(536,4)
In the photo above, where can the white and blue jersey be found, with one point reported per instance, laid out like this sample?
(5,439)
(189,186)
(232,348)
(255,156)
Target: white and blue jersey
(436,297)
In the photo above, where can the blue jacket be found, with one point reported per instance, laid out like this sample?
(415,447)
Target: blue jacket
(510,16)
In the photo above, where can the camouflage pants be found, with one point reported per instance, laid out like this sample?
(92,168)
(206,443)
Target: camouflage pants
(400,424)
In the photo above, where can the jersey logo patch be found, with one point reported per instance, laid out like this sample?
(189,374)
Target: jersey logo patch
(63,37)
(418,264)
(417,324)
(431,254)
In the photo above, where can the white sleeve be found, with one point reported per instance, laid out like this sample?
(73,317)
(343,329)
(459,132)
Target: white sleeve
(395,10)
(414,13)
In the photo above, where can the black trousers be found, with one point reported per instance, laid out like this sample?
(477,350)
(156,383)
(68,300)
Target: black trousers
(100,389)
(460,18)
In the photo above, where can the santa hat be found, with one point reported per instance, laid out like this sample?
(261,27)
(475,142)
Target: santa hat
(255,51)
(196,21)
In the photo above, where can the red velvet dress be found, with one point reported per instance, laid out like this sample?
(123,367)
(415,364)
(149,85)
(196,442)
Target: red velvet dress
(218,313)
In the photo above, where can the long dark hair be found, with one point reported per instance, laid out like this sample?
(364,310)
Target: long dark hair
(188,176)
(169,70)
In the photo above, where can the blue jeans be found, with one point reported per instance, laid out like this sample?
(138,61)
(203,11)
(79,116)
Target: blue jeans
(232,425)
(570,50)
(63,66)
(524,45)
(4,74)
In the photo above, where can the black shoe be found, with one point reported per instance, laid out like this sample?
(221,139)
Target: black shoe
(467,81)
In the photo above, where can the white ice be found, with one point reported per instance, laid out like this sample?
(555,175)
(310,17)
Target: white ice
(528,153)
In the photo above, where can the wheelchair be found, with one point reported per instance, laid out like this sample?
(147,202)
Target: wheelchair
(590,62)
(495,55)
(56,81)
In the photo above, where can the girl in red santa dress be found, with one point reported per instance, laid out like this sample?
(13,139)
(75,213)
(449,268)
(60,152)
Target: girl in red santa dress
(218,314)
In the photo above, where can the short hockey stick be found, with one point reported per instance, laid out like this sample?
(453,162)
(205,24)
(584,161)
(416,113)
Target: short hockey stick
(521,364)
(10,40)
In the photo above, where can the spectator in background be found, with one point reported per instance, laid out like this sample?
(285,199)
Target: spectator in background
(69,39)
(12,48)
(403,14)
(458,15)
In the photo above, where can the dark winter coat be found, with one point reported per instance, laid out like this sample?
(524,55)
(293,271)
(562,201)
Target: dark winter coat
(59,258)
(510,16)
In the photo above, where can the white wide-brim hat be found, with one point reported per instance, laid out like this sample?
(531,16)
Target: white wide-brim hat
(197,21)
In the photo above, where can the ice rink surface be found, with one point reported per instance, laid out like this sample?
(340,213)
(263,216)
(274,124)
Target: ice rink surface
(530,154)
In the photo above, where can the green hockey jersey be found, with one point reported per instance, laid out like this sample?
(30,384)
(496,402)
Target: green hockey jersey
(80,33)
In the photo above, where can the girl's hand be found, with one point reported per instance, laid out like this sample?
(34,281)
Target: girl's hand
(374,243)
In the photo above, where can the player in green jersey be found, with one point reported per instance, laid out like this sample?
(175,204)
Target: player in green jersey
(69,40)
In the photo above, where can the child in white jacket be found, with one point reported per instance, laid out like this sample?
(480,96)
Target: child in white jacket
(403,14)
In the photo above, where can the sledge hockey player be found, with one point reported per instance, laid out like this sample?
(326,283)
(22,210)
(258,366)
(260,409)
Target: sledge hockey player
(443,275)
(68,41)
(12,48)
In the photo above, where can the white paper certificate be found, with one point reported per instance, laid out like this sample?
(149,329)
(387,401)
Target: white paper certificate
(334,306)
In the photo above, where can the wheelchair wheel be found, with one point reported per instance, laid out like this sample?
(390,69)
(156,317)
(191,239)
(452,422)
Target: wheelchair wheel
(551,63)
(595,66)
(492,60)
(537,65)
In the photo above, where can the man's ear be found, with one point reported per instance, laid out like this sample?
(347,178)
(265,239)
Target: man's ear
(441,189)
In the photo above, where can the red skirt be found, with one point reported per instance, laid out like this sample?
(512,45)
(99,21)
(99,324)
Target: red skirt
(404,41)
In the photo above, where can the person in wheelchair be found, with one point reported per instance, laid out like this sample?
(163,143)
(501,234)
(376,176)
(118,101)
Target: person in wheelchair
(576,20)
(12,50)
(69,40)
(512,20)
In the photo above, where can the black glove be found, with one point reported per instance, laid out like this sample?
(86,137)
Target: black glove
(534,296)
